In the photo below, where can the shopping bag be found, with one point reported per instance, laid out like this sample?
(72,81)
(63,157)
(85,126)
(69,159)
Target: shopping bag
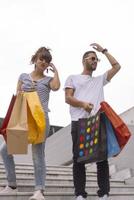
(7,117)
(92,140)
(121,130)
(113,147)
(36,118)
(17,128)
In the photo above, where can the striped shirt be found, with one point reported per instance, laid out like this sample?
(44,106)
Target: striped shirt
(41,86)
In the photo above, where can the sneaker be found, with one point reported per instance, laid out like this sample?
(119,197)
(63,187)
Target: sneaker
(105,197)
(38,195)
(8,190)
(80,198)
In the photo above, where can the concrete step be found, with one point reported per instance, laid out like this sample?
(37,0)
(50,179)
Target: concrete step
(123,174)
(31,165)
(68,196)
(130,181)
(49,169)
(90,167)
(56,180)
(59,183)
(90,187)
(50,176)
(49,172)
(52,168)
(58,169)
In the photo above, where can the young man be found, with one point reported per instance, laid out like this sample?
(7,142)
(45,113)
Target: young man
(84,94)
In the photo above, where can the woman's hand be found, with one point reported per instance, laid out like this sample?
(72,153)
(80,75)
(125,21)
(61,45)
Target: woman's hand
(55,82)
(52,67)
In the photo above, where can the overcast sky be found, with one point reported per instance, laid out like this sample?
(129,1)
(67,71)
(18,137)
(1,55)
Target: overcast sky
(67,27)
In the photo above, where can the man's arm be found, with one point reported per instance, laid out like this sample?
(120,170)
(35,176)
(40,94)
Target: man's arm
(71,100)
(114,63)
(115,66)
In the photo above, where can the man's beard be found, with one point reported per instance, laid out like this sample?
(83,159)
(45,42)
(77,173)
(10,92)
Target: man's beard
(90,67)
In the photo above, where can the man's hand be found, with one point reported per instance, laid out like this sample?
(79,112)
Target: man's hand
(97,47)
(87,106)
(114,63)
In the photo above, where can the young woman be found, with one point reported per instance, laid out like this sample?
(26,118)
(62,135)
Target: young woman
(43,84)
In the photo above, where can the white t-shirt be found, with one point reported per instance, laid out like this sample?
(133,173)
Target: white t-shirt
(87,89)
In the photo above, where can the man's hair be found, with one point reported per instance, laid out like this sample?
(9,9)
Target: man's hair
(87,53)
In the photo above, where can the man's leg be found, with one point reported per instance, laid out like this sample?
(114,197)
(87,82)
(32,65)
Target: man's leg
(103,178)
(79,172)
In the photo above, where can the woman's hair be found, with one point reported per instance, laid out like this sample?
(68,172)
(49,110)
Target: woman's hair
(42,53)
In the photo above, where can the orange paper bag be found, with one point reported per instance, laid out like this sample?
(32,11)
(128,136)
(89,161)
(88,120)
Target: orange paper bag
(121,130)
(17,129)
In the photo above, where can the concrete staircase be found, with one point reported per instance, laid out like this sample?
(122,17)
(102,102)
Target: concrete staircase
(59,183)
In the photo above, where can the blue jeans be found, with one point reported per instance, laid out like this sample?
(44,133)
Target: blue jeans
(38,155)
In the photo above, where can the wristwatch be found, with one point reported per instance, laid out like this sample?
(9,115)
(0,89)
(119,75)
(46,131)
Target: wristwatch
(104,51)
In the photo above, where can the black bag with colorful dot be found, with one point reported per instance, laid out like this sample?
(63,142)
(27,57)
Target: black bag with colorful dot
(92,139)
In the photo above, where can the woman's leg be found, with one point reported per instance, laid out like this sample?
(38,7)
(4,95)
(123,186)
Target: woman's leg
(39,165)
(8,161)
(38,153)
